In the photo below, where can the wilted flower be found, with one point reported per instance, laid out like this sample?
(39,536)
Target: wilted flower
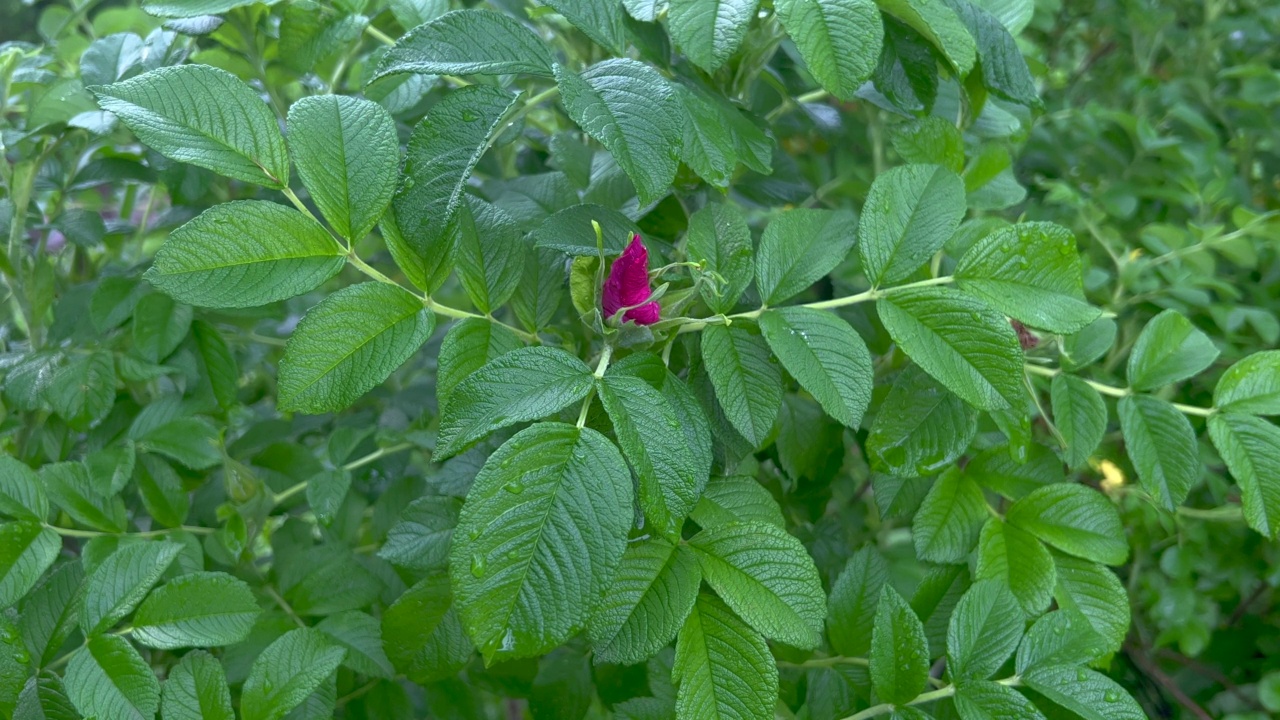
(628,286)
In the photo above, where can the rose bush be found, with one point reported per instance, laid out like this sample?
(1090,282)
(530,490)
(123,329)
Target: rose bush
(694,359)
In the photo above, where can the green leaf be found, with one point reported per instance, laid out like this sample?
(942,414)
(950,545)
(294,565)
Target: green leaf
(1018,561)
(245,253)
(965,345)
(69,487)
(570,231)
(26,551)
(1251,385)
(800,246)
(159,326)
(719,236)
(1169,349)
(996,470)
(647,429)
(1062,637)
(541,289)
(420,541)
(723,668)
(645,10)
(946,527)
(443,150)
(83,391)
(1080,415)
(121,581)
(899,650)
(1089,694)
(1162,445)
(191,8)
(939,25)
(1030,272)
(651,595)
(204,609)
(909,214)
(326,492)
(855,596)
(522,385)
(709,147)
(930,140)
(746,378)
(985,629)
(601,21)
(21,495)
(192,441)
(1075,519)
(217,363)
(1004,70)
(51,611)
(43,698)
(421,632)
(984,700)
(196,689)
(539,539)
(289,670)
(708,32)
(468,42)
(1089,345)
(361,634)
(490,254)
(204,116)
(767,577)
(719,134)
(927,429)
(107,678)
(631,110)
(736,498)
(1251,448)
(348,155)
(840,40)
(469,344)
(1094,591)
(348,344)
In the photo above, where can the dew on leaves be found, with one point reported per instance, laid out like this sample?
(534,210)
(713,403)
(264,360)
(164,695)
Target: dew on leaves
(477,565)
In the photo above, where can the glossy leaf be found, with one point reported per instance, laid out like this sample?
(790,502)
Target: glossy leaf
(1030,272)
(798,247)
(523,385)
(910,212)
(651,595)
(347,154)
(1169,349)
(631,110)
(723,668)
(468,42)
(196,610)
(348,344)
(767,577)
(746,378)
(245,253)
(1162,445)
(539,539)
(1075,519)
(961,342)
(204,116)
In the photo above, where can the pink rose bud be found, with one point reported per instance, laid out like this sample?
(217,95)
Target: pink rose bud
(628,286)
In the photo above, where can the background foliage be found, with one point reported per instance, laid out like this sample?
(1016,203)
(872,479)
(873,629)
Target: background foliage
(960,404)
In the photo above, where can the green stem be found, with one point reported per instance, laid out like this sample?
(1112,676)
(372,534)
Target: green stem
(1118,392)
(921,699)
(1226,513)
(827,662)
(601,366)
(73,532)
(354,464)
(380,36)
